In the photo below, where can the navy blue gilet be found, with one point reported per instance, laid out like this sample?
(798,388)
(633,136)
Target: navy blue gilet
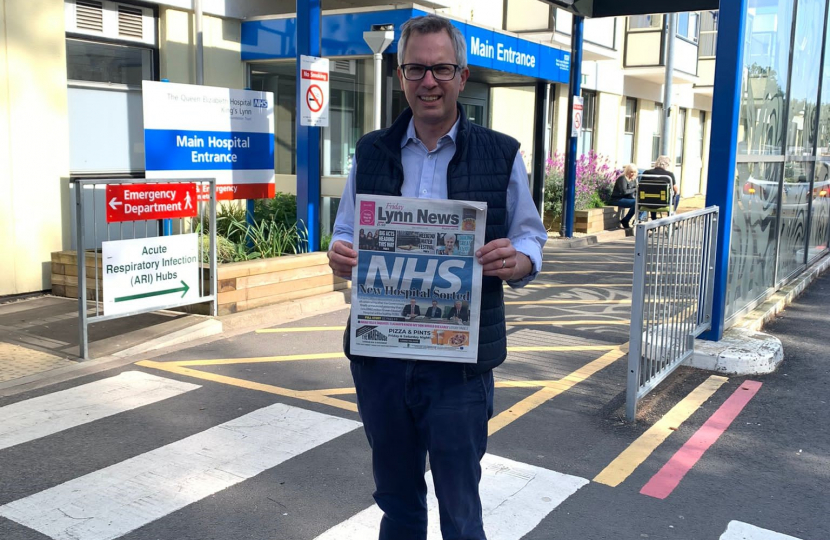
(479,171)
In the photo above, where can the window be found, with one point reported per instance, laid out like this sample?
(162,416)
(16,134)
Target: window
(629,129)
(657,137)
(687,25)
(681,139)
(645,22)
(701,140)
(708,34)
(585,142)
(106,77)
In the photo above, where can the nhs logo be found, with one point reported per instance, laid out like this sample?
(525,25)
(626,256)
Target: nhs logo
(261,103)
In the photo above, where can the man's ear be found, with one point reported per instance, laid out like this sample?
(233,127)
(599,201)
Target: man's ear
(465,74)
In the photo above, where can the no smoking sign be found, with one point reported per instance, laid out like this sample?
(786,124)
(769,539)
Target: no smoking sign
(314,85)
(314,98)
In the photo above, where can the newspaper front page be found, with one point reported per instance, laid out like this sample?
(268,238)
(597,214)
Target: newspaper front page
(416,291)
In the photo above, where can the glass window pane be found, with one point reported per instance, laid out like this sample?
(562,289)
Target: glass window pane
(281,79)
(804,78)
(754,223)
(795,199)
(645,22)
(766,67)
(104,63)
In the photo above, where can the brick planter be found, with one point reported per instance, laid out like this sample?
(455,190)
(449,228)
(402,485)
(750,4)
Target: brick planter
(241,286)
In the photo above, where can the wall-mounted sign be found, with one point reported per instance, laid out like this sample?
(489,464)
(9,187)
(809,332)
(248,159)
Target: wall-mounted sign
(276,38)
(202,131)
(135,202)
(314,91)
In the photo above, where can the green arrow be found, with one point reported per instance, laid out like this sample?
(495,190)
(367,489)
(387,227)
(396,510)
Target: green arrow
(183,290)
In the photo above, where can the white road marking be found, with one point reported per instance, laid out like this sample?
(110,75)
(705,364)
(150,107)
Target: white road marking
(111,502)
(515,497)
(738,530)
(45,415)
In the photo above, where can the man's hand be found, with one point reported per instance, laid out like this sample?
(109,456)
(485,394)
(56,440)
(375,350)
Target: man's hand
(342,258)
(500,259)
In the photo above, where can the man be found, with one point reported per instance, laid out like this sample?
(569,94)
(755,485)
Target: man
(661,169)
(434,312)
(413,408)
(412,310)
(459,313)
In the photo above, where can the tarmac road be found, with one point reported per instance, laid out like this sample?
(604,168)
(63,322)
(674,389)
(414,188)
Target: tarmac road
(257,436)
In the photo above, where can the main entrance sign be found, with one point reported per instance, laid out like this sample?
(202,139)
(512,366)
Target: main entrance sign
(196,131)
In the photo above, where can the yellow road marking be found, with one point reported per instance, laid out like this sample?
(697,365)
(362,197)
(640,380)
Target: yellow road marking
(313,396)
(562,323)
(259,360)
(509,323)
(550,272)
(555,388)
(563,348)
(300,329)
(564,285)
(631,458)
(528,302)
(629,263)
(338,355)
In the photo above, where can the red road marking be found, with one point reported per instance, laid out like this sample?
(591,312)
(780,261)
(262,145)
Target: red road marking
(663,483)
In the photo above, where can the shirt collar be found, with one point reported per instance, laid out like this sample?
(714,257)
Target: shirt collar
(411,135)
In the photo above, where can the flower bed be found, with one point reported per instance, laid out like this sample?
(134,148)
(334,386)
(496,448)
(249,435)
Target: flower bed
(595,177)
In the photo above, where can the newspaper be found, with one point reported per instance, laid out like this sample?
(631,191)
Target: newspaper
(416,291)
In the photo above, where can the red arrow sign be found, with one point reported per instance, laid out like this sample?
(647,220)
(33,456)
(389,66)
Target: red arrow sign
(138,202)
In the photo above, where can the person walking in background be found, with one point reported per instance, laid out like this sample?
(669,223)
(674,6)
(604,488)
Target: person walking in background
(411,409)
(661,169)
(625,191)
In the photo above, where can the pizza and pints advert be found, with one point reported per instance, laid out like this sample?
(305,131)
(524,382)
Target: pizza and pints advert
(416,290)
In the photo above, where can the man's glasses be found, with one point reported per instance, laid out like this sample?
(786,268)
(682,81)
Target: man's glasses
(441,72)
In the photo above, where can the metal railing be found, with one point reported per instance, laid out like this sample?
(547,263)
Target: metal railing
(672,296)
(92,229)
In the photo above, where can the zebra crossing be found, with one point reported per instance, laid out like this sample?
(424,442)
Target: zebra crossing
(116,500)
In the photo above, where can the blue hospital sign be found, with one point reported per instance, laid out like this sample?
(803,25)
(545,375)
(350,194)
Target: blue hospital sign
(201,131)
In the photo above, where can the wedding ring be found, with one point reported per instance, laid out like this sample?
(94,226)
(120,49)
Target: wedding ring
(503,263)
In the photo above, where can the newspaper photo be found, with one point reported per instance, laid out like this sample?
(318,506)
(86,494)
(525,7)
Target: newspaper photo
(416,290)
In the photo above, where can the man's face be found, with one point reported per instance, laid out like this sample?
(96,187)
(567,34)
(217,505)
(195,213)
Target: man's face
(432,102)
(458,305)
(434,303)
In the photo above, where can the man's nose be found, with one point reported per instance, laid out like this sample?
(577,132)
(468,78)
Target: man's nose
(429,79)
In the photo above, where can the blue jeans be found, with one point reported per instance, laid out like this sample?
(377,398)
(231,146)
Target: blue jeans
(629,203)
(413,408)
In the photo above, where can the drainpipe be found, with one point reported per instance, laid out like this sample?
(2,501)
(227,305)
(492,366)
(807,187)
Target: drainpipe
(667,98)
(200,43)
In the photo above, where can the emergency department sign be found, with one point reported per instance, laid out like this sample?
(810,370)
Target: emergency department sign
(135,202)
(314,91)
(149,273)
(197,131)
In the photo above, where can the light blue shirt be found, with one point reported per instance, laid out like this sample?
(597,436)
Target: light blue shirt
(425,177)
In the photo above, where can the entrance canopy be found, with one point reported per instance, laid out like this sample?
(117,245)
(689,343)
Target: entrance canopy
(619,8)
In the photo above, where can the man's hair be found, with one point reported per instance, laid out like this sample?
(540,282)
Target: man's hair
(433,24)
(663,162)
